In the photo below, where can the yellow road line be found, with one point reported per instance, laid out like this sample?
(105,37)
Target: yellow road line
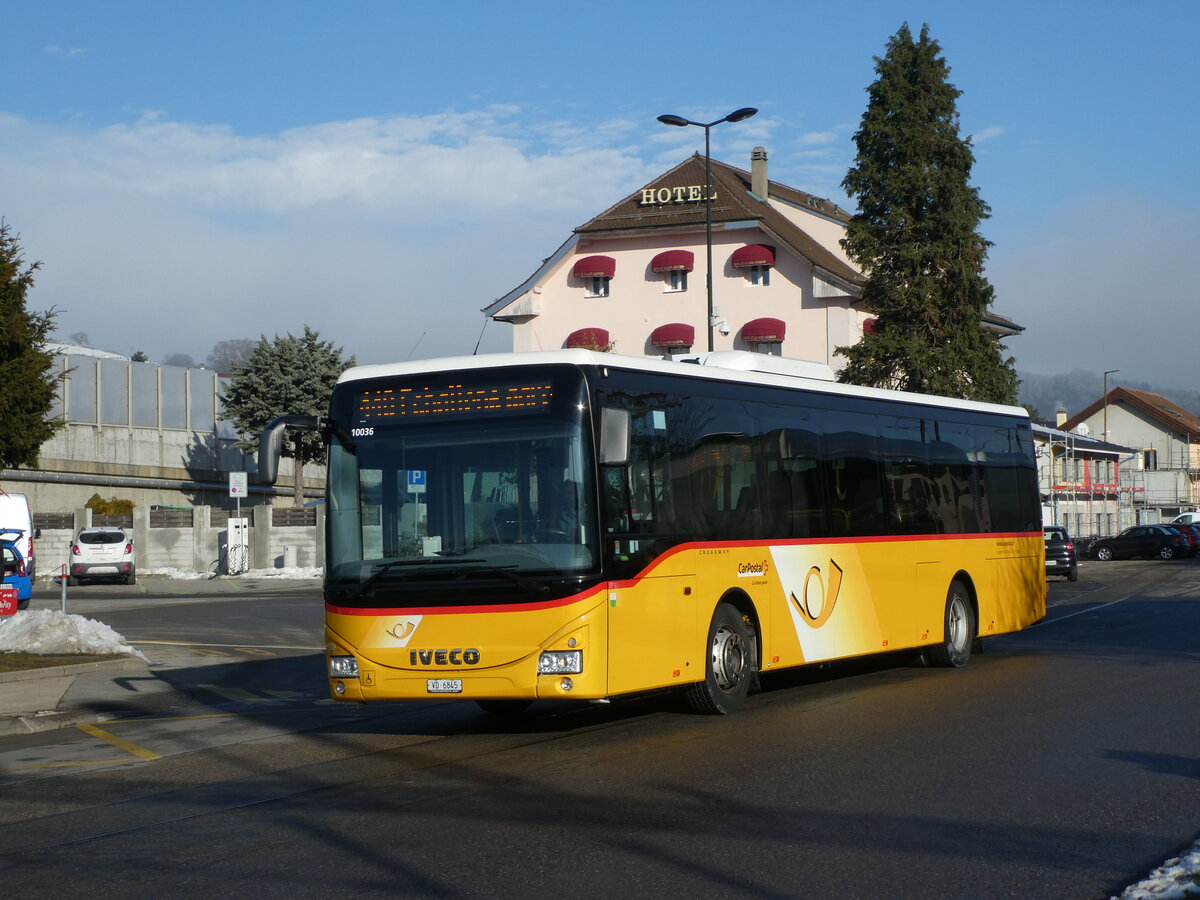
(120,743)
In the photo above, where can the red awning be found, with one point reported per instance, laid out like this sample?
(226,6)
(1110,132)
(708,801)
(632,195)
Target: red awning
(673,261)
(763,330)
(587,339)
(753,255)
(595,267)
(870,326)
(674,335)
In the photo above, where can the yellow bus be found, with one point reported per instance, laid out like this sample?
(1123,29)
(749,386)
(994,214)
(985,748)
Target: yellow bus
(580,525)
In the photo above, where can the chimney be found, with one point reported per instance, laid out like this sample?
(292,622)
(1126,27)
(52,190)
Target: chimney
(1060,418)
(758,173)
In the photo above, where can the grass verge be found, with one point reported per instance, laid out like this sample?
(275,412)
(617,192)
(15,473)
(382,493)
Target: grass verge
(18,661)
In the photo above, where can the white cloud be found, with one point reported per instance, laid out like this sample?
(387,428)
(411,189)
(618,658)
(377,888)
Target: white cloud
(817,138)
(168,236)
(987,134)
(65,52)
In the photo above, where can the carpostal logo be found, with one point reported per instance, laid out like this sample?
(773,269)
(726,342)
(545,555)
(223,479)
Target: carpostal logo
(403,629)
(753,569)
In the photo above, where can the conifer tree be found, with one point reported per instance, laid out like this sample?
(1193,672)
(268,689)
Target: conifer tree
(27,379)
(916,237)
(289,375)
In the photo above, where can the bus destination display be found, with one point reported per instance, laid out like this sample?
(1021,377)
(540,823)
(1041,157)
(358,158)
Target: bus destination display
(455,399)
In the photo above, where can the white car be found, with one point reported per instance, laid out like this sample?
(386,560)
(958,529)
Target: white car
(102,552)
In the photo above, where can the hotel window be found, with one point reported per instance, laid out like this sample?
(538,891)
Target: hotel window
(759,276)
(595,272)
(676,281)
(674,266)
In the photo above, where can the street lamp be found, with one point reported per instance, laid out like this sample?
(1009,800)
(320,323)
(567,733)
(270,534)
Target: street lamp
(736,116)
(1106,374)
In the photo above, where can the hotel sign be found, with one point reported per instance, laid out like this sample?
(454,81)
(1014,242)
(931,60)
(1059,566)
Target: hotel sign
(662,196)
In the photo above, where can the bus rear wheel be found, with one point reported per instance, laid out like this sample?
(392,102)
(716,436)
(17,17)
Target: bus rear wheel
(729,665)
(955,649)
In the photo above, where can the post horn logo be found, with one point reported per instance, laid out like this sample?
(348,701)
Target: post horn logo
(819,598)
(402,631)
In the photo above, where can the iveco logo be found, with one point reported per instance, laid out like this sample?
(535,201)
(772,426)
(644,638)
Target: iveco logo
(455,657)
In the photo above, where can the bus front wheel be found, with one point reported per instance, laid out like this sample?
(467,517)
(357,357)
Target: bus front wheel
(729,665)
(955,649)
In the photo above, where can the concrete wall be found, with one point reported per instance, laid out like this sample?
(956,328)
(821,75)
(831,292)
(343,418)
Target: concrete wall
(199,546)
(146,433)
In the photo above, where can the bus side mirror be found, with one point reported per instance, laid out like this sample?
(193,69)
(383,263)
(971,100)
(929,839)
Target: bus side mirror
(614,437)
(270,443)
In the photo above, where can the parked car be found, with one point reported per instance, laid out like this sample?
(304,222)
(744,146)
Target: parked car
(16,574)
(102,552)
(15,516)
(1191,532)
(1187,518)
(1141,540)
(1060,553)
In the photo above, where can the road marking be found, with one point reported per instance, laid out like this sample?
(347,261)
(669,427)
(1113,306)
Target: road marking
(120,743)
(1081,612)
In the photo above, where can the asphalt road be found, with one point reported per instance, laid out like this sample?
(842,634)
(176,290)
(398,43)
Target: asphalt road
(1062,763)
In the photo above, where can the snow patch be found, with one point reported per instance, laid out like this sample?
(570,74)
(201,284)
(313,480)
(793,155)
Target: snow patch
(51,631)
(1173,880)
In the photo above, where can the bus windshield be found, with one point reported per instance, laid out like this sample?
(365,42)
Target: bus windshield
(474,498)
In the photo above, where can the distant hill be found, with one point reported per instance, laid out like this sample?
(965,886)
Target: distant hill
(1073,391)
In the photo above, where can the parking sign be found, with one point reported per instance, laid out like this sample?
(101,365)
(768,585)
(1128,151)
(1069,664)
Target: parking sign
(238,486)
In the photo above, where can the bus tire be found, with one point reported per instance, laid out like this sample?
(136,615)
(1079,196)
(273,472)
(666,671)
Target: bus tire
(504,707)
(728,667)
(955,649)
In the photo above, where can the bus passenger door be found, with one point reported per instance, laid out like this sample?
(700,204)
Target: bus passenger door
(652,590)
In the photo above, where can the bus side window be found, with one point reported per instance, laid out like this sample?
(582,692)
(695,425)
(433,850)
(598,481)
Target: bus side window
(853,479)
(616,500)
(793,503)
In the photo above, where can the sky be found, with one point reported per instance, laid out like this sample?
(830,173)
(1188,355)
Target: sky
(190,173)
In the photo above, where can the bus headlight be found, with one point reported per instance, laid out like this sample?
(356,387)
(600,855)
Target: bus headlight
(560,662)
(343,667)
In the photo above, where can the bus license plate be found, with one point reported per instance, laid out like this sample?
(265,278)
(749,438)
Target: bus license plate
(444,686)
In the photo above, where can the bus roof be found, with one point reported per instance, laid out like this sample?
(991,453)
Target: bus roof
(738,366)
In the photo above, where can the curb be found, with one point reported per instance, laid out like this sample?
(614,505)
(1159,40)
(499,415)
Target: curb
(126,664)
(102,704)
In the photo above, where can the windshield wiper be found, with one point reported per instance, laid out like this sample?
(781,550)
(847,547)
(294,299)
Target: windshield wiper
(392,564)
(452,566)
(505,571)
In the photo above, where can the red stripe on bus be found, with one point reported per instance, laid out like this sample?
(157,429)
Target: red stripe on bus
(658,561)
